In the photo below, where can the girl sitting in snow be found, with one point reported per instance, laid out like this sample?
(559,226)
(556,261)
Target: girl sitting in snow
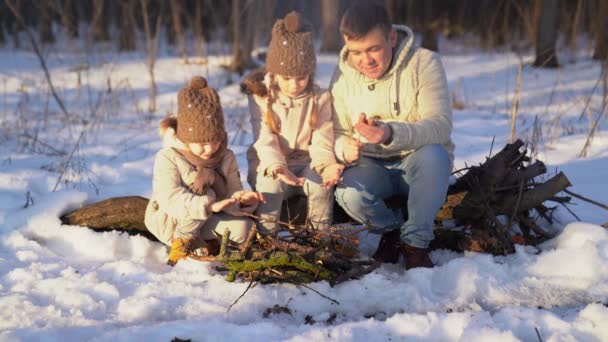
(197,191)
(292,124)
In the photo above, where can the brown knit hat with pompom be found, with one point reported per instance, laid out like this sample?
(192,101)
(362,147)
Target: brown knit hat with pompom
(199,114)
(291,52)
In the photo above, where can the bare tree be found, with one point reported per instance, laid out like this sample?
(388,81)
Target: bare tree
(547,12)
(429,34)
(197,29)
(45,23)
(66,11)
(242,39)
(176,17)
(601,33)
(126,39)
(330,10)
(152,39)
(14,8)
(99,21)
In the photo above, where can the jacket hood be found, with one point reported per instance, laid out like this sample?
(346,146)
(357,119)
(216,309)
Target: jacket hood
(405,39)
(166,130)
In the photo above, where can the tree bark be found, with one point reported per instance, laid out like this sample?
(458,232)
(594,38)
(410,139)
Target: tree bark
(152,40)
(176,18)
(330,12)
(45,25)
(126,40)
(99,22)
(242,40)
(546,33)
(601,33)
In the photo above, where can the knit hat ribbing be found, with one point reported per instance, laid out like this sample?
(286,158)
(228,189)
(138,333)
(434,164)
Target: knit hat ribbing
(291,52)
(199,113)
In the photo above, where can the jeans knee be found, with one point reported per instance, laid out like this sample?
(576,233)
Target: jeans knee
(432,157)
(349,197)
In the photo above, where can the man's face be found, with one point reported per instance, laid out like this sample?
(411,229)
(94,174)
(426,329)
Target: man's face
(371,54)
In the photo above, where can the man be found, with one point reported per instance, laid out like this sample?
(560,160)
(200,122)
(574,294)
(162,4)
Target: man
(392,127)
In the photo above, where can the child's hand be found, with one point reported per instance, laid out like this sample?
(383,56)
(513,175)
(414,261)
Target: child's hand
(218,206)
(331,175)
(249,198)
(287,177)
(352,150)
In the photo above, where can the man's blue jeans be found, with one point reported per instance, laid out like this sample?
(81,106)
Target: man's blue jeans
(422,175)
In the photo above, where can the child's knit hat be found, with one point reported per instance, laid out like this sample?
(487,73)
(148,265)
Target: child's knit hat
(199,114)
(291,52)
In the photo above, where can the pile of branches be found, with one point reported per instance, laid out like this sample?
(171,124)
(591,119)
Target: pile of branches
(499,203)
(304,255)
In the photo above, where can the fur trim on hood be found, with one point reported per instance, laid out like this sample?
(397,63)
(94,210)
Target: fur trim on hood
(166,129)
(253,83)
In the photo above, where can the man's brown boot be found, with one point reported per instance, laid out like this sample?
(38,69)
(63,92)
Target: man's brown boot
(415,257)
(180,249)
(388,248)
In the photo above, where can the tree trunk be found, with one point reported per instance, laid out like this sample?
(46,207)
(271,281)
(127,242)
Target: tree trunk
(126,39)
(176,18)
(601,32)
(546,33)
(71,18)
(152,39)
(45,25)
(330,12)
(429,34)
(242,41)
(99,23)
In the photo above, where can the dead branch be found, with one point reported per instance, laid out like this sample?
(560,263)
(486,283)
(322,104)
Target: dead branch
(12,6)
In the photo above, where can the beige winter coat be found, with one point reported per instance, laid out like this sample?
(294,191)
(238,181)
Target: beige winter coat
(172,200)
(412,98)
(298,143)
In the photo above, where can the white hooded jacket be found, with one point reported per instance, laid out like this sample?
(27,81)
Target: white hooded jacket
(411,97)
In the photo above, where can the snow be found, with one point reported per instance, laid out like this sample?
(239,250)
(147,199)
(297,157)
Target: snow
(65,283)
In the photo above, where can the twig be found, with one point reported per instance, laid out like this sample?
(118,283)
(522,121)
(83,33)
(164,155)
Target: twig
(538,334)
(320,294)
(32,40)
(224,244)
(65,166)
(515,105)
(583,152)
(571,212)
(586,199)
(247,244)
(242,295)
(520,192)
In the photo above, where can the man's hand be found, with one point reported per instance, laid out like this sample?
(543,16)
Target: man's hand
(287,177)
(331,175)
(352,150)
(373,132)
(218,206)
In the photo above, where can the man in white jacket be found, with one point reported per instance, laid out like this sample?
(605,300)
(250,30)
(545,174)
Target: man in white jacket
(392,125)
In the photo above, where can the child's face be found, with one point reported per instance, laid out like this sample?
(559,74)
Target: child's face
(292,86)
(204,151)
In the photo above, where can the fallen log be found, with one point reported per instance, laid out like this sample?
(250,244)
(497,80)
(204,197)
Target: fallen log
(492,203)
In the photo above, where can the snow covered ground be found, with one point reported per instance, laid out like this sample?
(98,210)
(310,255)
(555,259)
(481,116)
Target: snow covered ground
(64,283)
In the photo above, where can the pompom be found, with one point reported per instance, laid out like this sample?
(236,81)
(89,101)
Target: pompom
(198,82)
(293,22)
